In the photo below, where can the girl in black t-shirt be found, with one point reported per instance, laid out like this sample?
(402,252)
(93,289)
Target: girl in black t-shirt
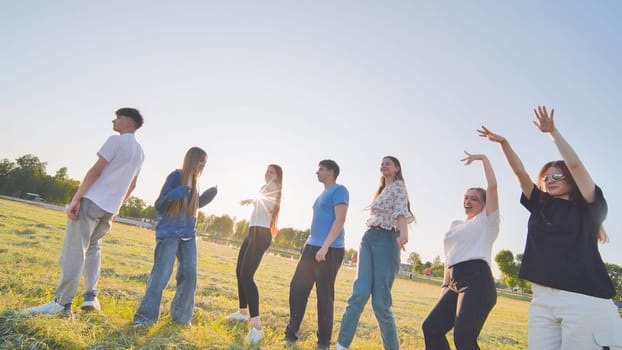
(571,306)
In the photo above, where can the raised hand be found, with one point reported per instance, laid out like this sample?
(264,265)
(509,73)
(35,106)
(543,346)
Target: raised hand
(471,157)
(543,121)
(485,132)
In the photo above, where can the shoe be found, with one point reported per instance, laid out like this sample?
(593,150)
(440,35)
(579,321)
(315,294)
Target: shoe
(51,308)
(138,325)
(90,303)
(255,335)
(340,347)
(237,316)
(291,339)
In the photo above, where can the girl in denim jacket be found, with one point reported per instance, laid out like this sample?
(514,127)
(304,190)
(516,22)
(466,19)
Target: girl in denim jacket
(177,207)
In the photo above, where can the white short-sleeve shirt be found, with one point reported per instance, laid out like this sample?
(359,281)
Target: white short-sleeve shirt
(125,158)
(471,239)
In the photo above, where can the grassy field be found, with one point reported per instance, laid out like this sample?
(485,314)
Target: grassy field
(30,243)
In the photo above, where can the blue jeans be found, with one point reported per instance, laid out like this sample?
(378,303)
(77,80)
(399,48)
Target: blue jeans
(378,264)
(183,302)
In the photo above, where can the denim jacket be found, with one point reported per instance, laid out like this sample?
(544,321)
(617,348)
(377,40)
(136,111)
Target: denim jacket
(182,226)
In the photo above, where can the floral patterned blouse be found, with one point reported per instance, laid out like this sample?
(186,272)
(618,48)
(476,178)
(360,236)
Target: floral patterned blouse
(389,205)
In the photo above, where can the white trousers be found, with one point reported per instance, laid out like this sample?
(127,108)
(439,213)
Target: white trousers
(561,320)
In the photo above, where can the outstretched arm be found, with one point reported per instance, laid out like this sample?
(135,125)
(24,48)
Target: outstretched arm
(584,181)
(515,163)
(492,196)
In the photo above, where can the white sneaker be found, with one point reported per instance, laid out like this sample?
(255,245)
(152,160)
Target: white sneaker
(50,308)
(90,304)
(340,347)
(237,316)
(255,335)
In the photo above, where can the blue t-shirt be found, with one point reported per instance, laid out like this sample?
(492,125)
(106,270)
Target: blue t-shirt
(324,215)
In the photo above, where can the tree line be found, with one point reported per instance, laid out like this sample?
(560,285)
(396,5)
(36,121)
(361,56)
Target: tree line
(27,176)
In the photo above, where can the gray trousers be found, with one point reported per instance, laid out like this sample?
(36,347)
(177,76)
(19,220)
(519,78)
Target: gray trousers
(82,251)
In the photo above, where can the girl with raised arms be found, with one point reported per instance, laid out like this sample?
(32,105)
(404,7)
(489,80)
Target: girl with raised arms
(571,306)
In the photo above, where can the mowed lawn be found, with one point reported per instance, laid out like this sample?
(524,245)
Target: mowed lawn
(30,244)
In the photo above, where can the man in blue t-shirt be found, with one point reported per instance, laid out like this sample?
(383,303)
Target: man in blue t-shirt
(321,257)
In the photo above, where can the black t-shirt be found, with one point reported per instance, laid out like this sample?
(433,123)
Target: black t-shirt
(562,250)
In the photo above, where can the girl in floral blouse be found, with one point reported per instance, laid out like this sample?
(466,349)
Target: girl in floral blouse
(379,257)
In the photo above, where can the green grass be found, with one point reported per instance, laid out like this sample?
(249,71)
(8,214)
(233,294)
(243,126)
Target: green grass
(30,244)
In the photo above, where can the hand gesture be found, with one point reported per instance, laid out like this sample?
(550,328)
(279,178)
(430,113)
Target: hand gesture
(471,157)
(484,132)
(72,209)
(402,240)
(321,255)
(544,122)
(246,202)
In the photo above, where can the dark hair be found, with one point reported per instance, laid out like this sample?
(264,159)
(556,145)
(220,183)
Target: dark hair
(398,176)
(480,190)
(131,113)
(330,165)
(277,205)
(561,165)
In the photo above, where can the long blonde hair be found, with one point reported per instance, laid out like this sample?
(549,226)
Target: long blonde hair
(184,205)
(277,205)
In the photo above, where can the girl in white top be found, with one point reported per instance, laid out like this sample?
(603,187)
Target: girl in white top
(468,293)
(262,228)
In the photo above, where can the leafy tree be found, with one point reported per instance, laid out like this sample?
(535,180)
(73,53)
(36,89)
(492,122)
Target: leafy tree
(510,266)
(61,174)
(241,230)
(415,259)
(615,273)
(31,165)
(220,226)
(438,268)
(6,166)
(150,213)
(132,208)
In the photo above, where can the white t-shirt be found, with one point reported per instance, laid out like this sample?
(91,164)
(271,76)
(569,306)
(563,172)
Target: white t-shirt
(264,206)
(125,158)
(471,239)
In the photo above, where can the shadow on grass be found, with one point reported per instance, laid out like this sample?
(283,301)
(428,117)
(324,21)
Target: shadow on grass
(17,333)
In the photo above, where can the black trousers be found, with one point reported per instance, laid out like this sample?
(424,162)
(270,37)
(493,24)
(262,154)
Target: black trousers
(249,257)
(310,272)
(464,307)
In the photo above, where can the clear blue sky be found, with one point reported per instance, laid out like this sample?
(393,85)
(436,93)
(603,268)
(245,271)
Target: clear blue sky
(294,82)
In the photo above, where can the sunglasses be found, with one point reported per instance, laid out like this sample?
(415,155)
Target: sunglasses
(554,177)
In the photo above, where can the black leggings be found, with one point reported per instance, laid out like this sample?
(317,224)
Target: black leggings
(465,307)
(251,252)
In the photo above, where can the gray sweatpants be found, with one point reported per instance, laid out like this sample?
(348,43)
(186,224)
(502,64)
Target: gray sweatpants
(82,251)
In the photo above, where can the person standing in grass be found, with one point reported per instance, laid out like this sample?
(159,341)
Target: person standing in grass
(321,257)
(379,256)
(468,293)
(177,207)
(107,184)
(262,228)
(571,306)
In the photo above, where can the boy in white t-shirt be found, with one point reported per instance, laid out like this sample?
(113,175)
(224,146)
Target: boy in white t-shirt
(105,187)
